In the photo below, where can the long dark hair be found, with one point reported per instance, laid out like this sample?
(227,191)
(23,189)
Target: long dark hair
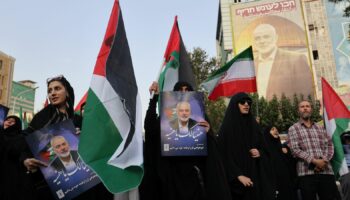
(70,93)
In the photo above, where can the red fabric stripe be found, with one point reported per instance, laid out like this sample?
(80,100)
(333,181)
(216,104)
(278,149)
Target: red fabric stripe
(100,66)
(233,87)
(174,41)
(334,106)
(82,100)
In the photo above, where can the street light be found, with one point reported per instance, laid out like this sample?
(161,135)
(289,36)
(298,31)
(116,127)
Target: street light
(16,97)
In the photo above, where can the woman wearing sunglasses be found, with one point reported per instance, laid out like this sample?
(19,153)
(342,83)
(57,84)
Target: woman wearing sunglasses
(61,101)
(241,145)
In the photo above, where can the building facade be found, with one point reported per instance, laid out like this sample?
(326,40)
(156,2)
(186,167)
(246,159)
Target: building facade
(22,98)
(6,75)
(315,28)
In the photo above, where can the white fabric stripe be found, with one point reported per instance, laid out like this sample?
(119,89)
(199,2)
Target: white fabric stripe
(170,78)
(240,71)
(110,99)
(331,126)
(210,85)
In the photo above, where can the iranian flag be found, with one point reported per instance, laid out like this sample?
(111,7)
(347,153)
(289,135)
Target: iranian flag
(111,139)
(176,66)
(238,75)
(337,121)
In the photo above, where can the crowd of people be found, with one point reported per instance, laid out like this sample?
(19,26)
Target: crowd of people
(244,160)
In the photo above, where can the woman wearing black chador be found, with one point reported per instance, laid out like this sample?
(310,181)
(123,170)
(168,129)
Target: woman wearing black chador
(244,156)
(15,182)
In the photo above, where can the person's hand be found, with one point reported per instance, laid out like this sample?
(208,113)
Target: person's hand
(245,181)
(154,88)
(320,163)
(77,131)
(254,153)
(33,164)
(284,150)
(205,124)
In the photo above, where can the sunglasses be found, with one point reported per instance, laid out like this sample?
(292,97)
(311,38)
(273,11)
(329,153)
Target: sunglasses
(243,101)
(56,78)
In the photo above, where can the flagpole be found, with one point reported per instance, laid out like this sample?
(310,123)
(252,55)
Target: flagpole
(159,72)
(257,108)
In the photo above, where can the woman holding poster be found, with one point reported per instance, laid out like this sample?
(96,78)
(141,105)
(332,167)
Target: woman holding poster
(61,107)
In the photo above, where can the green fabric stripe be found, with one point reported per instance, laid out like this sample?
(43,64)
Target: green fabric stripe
(247,54)
(338,157)
(98,141)
(175,63)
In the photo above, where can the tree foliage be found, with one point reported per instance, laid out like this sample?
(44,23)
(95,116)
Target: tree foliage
(203,66)
(282,112)
(347,8)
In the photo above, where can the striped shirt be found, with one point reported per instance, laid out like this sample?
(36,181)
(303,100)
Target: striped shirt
(307,143)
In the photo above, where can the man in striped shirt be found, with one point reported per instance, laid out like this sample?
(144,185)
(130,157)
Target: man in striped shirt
(312,147)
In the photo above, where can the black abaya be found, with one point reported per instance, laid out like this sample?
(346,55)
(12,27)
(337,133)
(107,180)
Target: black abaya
(239,133)
(15,182)
(174,178)
(281,165)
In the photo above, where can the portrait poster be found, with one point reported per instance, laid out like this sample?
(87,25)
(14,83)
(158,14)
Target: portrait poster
(276,31)
(57,145)
(339,27)
(181,134)
(3,113)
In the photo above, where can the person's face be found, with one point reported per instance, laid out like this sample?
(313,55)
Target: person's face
(61,147)
(244,106)
(305,110)
(274,132)
(265,39)
(57,93)
(9,122)
(184,112)
(184,89)
(347,141)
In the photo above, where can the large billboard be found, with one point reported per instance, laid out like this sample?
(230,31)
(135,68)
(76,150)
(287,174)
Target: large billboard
(276,30)
(340,37)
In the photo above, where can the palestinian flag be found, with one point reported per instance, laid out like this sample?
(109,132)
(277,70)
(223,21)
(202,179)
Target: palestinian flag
(82,100)
(238,75)
(337,121)
(176,66)
(111,139)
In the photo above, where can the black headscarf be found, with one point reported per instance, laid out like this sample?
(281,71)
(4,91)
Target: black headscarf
(282,166)
(51,114)
(180,84)
(14,129)
(70,93)
(273,144)
(238,134)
